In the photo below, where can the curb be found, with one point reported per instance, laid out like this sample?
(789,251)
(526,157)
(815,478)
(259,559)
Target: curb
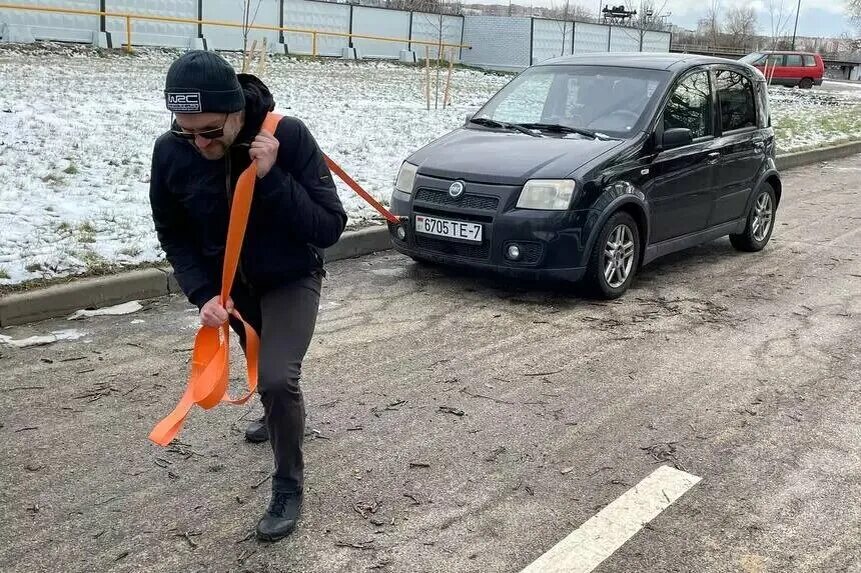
(51,302)
(61,300)
(802,158)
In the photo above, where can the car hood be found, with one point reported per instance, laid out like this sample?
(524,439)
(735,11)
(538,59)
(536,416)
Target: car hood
(506,158)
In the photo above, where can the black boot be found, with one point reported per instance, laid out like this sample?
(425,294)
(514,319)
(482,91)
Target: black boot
(257,431)
(281,517)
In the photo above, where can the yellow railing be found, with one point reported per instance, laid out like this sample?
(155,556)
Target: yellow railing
(313,33)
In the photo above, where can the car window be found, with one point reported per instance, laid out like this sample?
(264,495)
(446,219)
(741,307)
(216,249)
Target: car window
(525,101)
(737,100)
(775,60)
(690,105)
(809,61)
(614,101)
(794,61)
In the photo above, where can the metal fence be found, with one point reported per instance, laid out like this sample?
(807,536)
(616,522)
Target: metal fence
(318,28)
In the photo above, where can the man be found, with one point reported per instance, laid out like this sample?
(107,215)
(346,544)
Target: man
(295,212)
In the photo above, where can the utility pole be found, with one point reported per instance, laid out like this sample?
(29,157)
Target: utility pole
(794,32)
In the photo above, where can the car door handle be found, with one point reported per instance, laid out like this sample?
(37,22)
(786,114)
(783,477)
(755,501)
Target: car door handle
(714,157)
(759,145)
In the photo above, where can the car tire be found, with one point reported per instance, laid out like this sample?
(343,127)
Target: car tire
(619,238)
(806,83)
(762,212)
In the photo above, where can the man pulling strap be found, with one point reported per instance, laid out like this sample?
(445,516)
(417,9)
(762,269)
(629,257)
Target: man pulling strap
(294,214)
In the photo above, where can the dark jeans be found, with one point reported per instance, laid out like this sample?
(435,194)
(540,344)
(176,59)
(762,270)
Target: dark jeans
(285,319)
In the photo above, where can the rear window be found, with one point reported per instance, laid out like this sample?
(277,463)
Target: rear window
(737,101)
(794,61)
(809,61)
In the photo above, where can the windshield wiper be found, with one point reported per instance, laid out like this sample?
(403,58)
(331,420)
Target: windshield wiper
(558,128)
(487,122)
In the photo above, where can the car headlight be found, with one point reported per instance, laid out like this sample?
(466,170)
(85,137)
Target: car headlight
(547,194)
(406,178)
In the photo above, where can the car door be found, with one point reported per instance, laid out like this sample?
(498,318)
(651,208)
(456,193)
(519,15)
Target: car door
(776,69)
(682,179)
(795,68)
(740,143)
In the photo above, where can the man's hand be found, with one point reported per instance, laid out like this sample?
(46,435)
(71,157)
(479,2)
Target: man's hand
(264,149)
(213,314)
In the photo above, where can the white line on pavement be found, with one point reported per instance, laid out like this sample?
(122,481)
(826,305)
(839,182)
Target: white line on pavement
(597,539)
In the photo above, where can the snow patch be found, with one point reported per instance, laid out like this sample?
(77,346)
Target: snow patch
(116,310)
(41,340)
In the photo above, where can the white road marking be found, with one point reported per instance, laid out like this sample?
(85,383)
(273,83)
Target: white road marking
(602,535)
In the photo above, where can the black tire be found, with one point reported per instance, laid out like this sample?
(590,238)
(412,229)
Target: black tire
(806,83)
(595,281)
(752,239)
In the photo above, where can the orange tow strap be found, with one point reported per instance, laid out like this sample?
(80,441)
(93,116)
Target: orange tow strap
(336,169)
(210,358)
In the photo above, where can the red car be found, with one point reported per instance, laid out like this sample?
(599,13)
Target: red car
(801,69)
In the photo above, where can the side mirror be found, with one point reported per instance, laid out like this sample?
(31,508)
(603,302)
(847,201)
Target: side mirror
(677,137)
(469,117)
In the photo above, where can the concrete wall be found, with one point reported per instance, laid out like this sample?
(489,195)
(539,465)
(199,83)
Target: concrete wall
(47,26)
(591,38)
(222,38)
(624,39)
(656,41)
(497,42)
(153,33)
(551,39)
(380,22)
(310,15)
(427,27)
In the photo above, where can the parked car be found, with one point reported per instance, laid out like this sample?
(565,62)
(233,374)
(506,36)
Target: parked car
(791,69)
(588,167)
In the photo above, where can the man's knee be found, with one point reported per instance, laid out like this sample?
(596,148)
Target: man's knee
(284,381)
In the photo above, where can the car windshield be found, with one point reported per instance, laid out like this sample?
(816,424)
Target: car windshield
(610,101)
(753,58)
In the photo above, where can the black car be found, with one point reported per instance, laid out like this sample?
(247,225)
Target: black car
(588,167)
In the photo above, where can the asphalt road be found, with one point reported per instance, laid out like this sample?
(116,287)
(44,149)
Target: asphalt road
(742,369)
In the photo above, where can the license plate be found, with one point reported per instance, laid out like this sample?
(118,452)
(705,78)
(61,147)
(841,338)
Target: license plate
(460,230)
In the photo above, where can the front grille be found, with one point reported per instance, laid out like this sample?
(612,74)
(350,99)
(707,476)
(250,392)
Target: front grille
(468,251)
(468,201)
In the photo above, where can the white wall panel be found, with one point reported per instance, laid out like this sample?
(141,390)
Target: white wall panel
(380,22)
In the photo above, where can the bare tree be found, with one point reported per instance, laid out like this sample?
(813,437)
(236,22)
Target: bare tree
(650,14)
(781,13)
(740,25)
(712,20)
(854,9)
(249,16)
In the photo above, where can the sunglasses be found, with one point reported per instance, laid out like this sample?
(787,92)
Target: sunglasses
(190,135)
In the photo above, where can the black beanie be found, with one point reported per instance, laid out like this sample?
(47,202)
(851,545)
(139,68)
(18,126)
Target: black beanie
(202,82)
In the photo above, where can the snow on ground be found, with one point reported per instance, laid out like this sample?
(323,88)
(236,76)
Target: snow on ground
(77,128)
(806,119)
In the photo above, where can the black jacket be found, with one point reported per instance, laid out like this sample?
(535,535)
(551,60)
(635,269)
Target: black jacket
(294,214)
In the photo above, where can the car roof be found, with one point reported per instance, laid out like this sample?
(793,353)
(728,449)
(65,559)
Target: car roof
(675,63)
(792,52)
(641,60)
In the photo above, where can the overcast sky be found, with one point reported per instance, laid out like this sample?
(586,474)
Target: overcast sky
(818,17)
